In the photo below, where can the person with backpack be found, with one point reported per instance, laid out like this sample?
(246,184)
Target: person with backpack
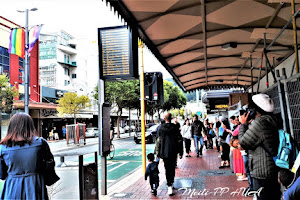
(263,131)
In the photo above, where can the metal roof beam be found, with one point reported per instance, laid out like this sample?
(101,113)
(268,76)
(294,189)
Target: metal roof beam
(217,76)
(213,68)
(275,13)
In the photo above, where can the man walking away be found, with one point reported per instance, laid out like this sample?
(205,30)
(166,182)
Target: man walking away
(197,128)
(168,145)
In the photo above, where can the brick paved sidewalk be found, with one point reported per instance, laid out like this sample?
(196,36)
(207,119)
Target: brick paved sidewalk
(196,178)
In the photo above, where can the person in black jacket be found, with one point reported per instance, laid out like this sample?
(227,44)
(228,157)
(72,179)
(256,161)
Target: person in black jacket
(261,133)
(168,146)
(152,171)
(197,128)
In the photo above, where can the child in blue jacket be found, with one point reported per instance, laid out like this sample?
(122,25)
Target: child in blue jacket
(152,172)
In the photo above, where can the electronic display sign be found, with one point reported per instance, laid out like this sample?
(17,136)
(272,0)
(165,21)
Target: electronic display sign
(118,53)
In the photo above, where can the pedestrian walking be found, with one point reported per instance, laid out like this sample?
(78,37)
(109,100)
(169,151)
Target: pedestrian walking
(27,164)
(64,132)
(175,120)
(168,145)
(152,171)
(216,127)
(225,144)
(263,131)
(197,128)
(186,133)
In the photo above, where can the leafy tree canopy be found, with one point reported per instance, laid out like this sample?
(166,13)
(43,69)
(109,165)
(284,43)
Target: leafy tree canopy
(70,103)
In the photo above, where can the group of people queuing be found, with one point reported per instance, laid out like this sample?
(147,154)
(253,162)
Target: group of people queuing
(241,145)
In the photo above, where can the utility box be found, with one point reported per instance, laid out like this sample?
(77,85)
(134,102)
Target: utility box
(154,91)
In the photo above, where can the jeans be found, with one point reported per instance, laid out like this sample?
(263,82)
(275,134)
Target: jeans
(245,158)
(198,139)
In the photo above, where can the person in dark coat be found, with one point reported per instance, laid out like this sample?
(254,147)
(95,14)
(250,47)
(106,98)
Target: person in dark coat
(21,156)
(225,146)
(152,171)
(197,128)
(168,146)
(263,131)
(177,124)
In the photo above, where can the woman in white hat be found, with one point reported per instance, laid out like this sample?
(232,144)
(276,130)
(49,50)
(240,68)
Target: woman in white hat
(263,131)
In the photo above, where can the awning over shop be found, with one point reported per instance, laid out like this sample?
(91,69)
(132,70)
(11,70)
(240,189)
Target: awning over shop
(208,44)
(34,105)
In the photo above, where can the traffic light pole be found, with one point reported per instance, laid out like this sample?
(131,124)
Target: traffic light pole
(142,92)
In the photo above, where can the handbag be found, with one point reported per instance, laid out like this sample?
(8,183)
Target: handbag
(48,171)
(212,133)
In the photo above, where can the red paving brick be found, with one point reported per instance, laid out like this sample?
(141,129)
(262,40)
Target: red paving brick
(189,168)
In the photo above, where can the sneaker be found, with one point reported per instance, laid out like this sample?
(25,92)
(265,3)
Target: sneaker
(189,155)
(242,179)
(152,191)
(170,190)
(197,155)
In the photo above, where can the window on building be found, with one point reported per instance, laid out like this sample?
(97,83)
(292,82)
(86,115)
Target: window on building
(67,72)
(4,60)
(73,75)
(67,82)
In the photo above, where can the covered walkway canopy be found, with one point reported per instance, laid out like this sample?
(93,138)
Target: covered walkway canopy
(212,43)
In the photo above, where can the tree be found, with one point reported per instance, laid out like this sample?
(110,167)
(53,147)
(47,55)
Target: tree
(7,94)
(71,104)
(122,94)
(173,97)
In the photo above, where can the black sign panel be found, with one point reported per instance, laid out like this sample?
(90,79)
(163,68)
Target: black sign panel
(118,53)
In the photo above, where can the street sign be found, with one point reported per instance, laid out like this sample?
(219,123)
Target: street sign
(155,95)
(118,53)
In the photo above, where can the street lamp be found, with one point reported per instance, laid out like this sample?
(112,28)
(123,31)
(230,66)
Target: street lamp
(27,64)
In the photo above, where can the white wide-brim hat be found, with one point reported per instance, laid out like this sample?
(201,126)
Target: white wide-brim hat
(264,102)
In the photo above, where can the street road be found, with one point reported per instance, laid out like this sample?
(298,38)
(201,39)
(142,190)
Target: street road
(128,157)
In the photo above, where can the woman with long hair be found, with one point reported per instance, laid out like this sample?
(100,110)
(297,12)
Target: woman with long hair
(24,159)
(225,145)
(186,135)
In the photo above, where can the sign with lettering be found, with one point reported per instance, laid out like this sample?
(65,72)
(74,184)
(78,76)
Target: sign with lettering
(118,53)
(48,112)
(221,106)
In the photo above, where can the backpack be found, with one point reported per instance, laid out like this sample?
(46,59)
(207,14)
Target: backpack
(287,151)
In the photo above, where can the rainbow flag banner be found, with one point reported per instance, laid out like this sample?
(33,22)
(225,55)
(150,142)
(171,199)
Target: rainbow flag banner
(17,42)
(34,36)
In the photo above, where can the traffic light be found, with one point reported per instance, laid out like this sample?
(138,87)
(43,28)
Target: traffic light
(154,91)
